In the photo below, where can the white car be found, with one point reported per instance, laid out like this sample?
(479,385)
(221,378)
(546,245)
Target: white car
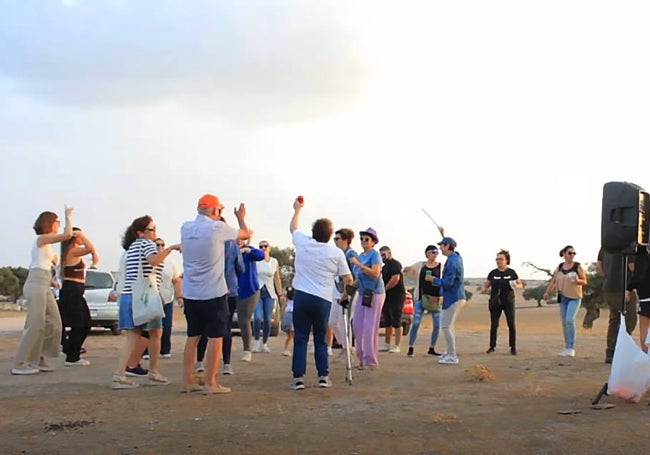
(102,299)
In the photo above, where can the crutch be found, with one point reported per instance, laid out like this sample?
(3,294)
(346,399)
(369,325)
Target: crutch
(345,307)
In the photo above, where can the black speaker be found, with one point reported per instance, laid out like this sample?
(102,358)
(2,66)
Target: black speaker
(624,218)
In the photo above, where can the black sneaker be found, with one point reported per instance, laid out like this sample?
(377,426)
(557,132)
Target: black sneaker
(490,350)
(136,371)
(513,351)
(410,353)
(432,351)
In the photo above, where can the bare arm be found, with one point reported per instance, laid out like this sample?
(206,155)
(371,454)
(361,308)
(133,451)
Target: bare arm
(297,207)
(155,259)
(392,282)
(44,239)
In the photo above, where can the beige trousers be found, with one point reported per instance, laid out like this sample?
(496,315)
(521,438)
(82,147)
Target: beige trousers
(42,333)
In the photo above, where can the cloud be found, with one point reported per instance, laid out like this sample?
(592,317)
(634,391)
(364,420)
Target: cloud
(280,61)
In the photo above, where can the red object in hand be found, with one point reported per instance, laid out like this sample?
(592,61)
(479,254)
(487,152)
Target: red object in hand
(301,199)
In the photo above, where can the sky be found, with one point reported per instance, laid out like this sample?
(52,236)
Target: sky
(502,119)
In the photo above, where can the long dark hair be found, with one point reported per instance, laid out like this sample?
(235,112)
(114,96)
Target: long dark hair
(65,246)
(131,233)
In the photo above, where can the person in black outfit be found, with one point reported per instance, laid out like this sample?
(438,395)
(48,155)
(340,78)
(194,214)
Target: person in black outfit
(502,282)
(393,278)
(640,281)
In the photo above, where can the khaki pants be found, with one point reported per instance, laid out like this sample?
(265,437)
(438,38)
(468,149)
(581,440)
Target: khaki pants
(42,333)
(614,300)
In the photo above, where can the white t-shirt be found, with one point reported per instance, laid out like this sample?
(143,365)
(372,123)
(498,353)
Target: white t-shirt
(170,272)
(317,264)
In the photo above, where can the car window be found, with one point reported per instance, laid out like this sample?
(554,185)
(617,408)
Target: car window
(98,280)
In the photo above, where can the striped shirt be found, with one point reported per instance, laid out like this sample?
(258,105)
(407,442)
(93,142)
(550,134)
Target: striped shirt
(137,254)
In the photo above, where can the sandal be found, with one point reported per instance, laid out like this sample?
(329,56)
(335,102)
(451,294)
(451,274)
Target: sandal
(157,379)
(122,383)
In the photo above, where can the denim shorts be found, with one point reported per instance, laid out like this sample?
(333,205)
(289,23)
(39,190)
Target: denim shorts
(287,322)
(125,320)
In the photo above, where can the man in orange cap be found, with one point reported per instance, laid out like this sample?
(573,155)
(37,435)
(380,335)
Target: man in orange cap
(204,286)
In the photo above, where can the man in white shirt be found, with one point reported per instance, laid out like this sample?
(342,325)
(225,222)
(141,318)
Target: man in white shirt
(204,287)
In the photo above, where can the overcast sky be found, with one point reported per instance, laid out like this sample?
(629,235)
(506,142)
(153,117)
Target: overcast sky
(502,119)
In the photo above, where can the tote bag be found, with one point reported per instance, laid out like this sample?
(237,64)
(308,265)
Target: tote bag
(147,304)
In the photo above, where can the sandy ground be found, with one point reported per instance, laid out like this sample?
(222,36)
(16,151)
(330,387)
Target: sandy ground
(537,403)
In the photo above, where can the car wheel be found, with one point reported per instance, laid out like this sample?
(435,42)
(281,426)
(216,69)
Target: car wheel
(115,330)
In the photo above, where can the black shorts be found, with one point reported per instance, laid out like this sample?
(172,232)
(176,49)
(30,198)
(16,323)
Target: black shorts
(206,317)
(392,312)
(644,309)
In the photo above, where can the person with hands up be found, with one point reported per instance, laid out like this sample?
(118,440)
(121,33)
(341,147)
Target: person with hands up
(317,264)
(41,336)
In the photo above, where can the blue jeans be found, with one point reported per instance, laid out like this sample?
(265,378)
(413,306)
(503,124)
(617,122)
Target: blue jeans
(417,319)
(262,316)
(568,311)
(309,311)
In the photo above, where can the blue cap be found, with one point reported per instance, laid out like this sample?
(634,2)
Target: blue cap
(448,241)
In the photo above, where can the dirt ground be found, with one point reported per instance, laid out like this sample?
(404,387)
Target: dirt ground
(537,403)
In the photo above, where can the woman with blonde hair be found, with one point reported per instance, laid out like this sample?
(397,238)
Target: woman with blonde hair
(42,333)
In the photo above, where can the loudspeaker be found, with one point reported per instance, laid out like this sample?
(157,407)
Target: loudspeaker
(624,217)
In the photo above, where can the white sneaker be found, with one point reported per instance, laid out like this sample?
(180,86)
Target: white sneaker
(246,356)
(257,346)
(145,357)
(265,348)
(227,369)
(329,351)
(324,382)
(166,356)
(78,363)
(198,367)
(286,352)
(384,347)
(567,353)
(449,360)
(394,349)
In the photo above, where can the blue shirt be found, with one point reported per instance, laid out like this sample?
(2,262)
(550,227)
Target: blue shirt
(365,281)
(203,241)
(234,262)
(247,280)
(451,281)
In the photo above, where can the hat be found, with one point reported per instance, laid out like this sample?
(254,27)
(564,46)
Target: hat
(209,201)
(448,241)
(371,232)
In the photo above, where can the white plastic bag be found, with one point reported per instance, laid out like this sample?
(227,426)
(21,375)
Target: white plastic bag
(629,377)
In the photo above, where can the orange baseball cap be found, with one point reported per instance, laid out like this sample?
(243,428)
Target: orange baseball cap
(209,201)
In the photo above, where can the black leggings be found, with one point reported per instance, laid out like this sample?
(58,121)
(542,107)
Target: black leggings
(74,314)
(508,308)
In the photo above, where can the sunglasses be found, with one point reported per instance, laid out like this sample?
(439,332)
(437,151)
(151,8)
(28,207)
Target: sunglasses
(264,246)
(432,251)
(572,253)
(160,244)
(336,239)
(366,239)
(150,229)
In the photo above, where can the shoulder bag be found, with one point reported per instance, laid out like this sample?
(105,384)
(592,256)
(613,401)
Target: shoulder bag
(147,304)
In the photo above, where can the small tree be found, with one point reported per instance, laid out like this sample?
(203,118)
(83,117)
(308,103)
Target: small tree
(536,293)
(286,258)
(9,283)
